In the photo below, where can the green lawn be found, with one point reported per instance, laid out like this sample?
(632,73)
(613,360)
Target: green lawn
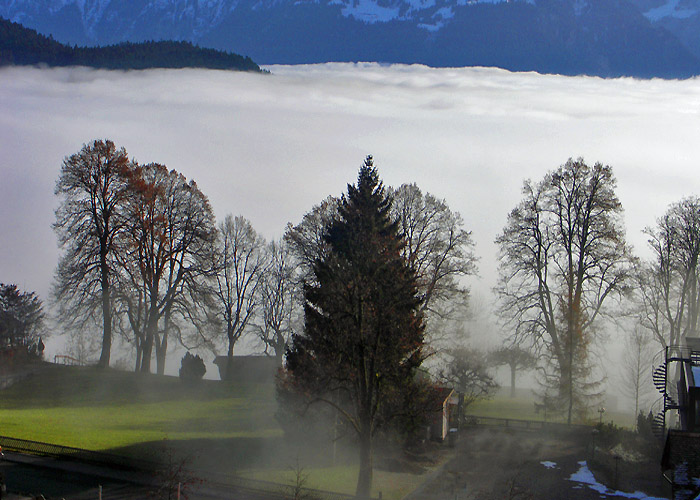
(229,428)
(522,407)
(222,427)
(97,410)
(343,479)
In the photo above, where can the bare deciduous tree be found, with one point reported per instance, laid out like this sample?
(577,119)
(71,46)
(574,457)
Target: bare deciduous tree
(280,300)
(240,264)
(669,291)
(171,240)
(562,256)
(306,241)
(467,371)
(516,357)
(94,186)
(438,247)
(637,366)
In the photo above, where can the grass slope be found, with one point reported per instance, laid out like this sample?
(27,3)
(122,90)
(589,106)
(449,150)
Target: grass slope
(107,410)
(522,407)
(227,428)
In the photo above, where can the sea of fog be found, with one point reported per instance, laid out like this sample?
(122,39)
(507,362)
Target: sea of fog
(270,146)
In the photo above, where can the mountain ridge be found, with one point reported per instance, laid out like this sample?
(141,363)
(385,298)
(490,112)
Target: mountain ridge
(609,39)
(23,46)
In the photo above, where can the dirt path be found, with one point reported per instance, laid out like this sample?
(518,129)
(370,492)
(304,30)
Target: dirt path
(497,463)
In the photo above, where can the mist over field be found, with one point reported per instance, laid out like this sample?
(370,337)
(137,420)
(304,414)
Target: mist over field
(269,147)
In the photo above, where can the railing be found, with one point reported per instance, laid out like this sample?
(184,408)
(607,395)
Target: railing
(77,454)
(270,489)
(63,359)
(517,423)
(682,353)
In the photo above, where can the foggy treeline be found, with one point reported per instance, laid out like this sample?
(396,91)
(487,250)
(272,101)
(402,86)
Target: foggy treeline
(144,258)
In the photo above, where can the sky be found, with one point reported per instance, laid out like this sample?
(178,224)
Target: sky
(270,146)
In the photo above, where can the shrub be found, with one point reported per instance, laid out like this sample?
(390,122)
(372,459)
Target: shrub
(192,367)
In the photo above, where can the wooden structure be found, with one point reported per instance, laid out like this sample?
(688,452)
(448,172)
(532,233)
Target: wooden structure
(444,416)
(680,390)
(248,368)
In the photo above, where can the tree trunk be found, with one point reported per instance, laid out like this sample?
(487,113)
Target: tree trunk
(160,357)
(147,354)
(229,359)
(139,352)
(280,348)
(568,381)
(512,381)
(364,478)
(571,334)
(279,357)
(106,315)
(162,346)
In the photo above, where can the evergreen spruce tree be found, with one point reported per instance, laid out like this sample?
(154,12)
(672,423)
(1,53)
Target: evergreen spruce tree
(363,337)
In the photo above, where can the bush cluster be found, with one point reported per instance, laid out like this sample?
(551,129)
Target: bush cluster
(192,367)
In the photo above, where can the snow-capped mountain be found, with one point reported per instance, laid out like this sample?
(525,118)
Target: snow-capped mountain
(658,10)
(194,18)
(607,38)
(680,17)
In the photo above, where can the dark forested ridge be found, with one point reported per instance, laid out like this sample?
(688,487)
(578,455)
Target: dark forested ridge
(610,38)
(22,46)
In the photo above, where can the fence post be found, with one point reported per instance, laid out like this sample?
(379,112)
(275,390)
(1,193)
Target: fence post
(99,492)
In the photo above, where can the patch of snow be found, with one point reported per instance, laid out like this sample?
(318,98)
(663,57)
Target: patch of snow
(627,455)
(472,2)
(579,5)
(439,17)
(549,465)
(585,476)
(669,9)
(430,27)
(476,2)
(370,12)
(444,13)
(420,4)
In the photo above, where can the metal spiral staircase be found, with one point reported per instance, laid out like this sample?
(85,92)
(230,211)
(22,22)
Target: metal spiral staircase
(669,396)
(665,402)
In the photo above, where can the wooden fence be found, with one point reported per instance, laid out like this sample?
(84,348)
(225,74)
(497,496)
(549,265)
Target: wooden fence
(113,461)
(516,423)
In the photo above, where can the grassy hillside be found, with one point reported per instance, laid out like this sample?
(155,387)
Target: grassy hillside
(228,428)
(522,407)
(107,410)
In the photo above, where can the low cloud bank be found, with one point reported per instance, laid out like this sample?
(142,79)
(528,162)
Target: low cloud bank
(271,146)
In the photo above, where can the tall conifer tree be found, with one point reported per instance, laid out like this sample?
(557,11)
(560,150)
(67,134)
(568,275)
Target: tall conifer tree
(363,335)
